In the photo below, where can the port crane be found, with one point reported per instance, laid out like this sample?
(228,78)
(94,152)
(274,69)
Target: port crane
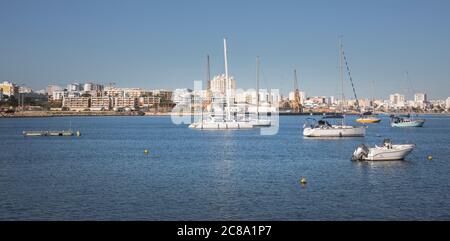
(295,103)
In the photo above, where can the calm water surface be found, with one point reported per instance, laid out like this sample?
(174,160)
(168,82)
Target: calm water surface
(216,175)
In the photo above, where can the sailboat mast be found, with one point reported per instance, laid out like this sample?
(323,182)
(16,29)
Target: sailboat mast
(207,84)
(208,73)
(341,76)
(257,87)
(227,81)
(373,95)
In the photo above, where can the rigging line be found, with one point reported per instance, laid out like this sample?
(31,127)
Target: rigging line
(350,76)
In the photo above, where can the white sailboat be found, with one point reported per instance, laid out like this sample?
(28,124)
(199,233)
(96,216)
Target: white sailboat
(258,122)
(323,128)
(226,122)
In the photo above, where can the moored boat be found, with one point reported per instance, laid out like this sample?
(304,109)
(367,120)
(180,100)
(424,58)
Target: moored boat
(49,133)
(322,128)
(406,121)
(229,120)
(368,118)
(387,152)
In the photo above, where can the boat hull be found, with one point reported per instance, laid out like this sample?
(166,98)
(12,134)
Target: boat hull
(221,126)
(412,123)
(384,154)
(261,123)
(368,121)
(335,131)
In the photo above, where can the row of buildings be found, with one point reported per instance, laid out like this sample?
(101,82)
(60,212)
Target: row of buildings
(97,97)
(109,103)
(92,96)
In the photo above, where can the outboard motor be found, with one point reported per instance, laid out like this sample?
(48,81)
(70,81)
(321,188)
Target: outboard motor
(360,153)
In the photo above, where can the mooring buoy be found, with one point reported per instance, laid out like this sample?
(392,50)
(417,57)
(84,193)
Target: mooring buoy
(303,181)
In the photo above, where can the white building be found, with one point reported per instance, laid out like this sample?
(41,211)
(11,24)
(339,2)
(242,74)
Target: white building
(447,103)
(420,100)
(91,87)
(218,85)
(25,90)
(59,95)
(182,96)
(52,88)
(397,100)
(87,87)
(265,96)
(74,87)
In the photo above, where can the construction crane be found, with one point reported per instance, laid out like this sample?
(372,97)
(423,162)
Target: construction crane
(295,103)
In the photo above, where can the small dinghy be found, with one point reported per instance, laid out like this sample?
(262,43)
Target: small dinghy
(387,152)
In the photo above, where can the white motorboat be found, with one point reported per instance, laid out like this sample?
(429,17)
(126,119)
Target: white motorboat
(323,128)
(387,152)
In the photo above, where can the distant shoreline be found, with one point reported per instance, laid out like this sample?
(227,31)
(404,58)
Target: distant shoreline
(37,114)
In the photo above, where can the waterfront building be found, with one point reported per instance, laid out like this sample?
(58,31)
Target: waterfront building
(8,88)
(92,87)
(182,96)
(397,101)
(218,85)
(74,87)
(87,87)
(126,92)
(76,103)
(133,92)
(52,88)
(148,101)
(447,103)
(25,90)
(125,102)
(265,96)
(114,92)
(163,94)
(438,104)
(332,101)
(420,100)
(365,103)
(100,103)
(72,94)
(59,95)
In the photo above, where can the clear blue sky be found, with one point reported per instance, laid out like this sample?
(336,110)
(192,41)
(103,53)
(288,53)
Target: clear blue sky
(162,44)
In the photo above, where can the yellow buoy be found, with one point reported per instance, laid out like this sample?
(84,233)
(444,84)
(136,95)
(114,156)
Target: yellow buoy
(430,157)
(303,180)
(146,151)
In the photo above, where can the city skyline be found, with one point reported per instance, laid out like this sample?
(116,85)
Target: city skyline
(136,45)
